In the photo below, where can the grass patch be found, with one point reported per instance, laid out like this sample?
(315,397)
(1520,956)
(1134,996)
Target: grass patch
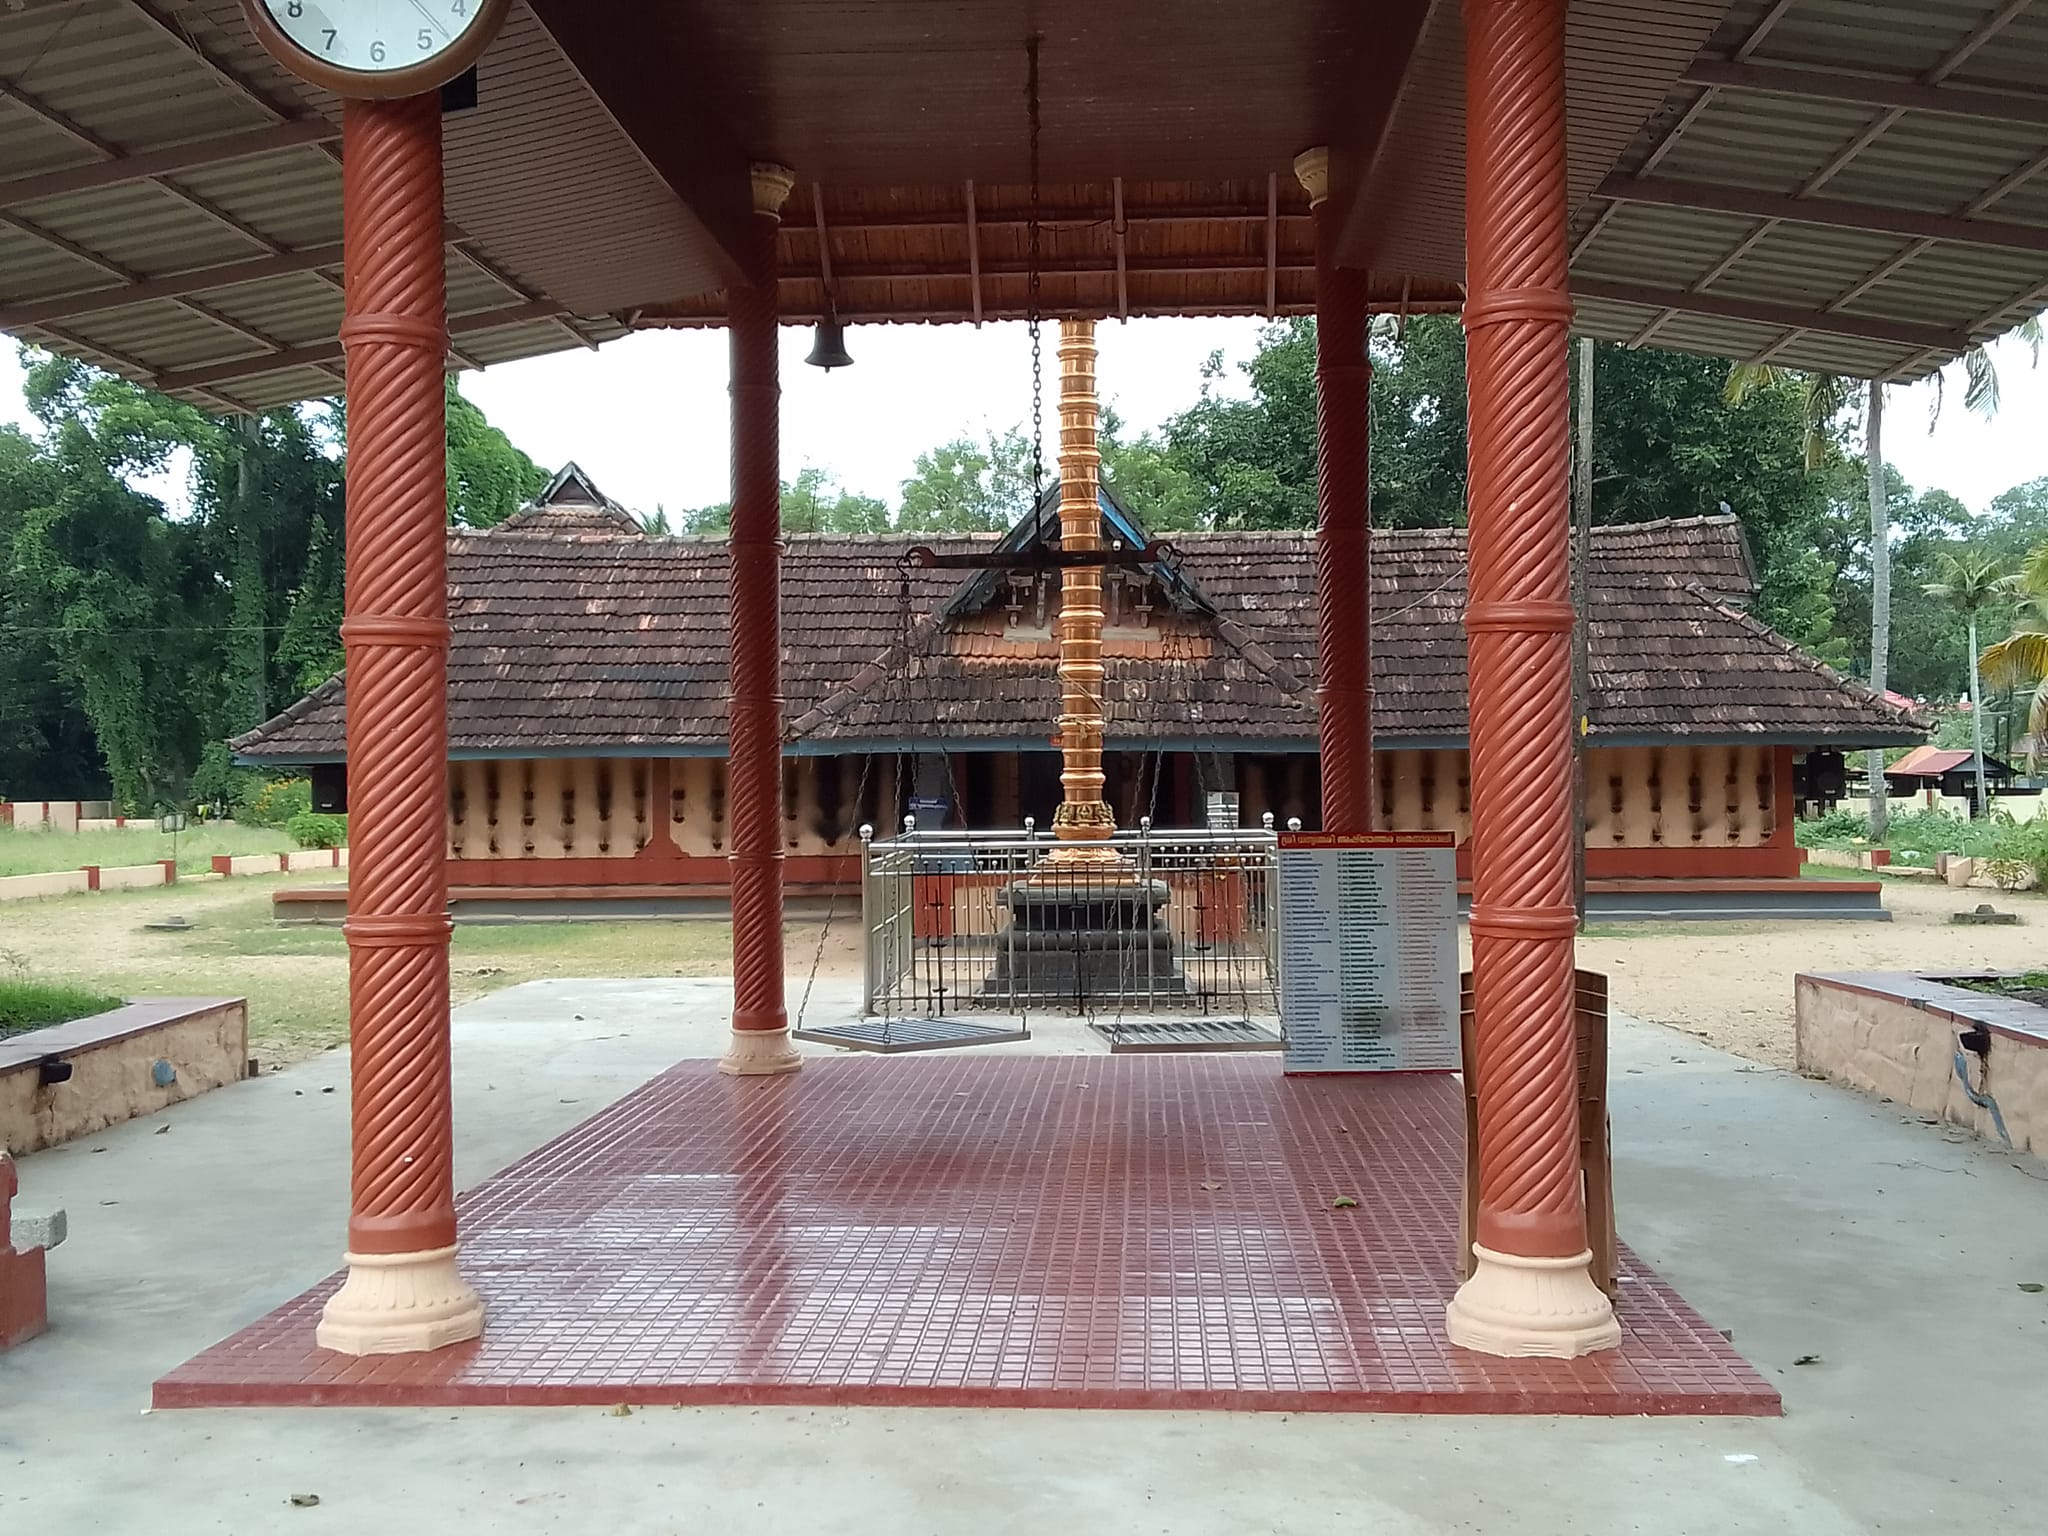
(42,850)
(1834,872)
(2032,987)
(296,977)
(26,1005)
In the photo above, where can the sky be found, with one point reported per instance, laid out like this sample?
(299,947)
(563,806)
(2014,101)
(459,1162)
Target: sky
(646,416)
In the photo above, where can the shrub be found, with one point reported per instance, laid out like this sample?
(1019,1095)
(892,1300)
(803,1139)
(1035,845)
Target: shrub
(218,782)
(2018,849)
(1837,829)
(309,829)
(275,804)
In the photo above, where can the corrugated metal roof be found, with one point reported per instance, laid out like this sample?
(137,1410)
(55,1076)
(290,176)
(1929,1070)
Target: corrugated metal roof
(1872,214)
(1910,122)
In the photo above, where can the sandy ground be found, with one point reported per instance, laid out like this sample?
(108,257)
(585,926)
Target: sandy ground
(1725,983)
(1730,984)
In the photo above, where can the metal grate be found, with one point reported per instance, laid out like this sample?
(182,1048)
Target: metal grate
(889,1036)
(1186,1035)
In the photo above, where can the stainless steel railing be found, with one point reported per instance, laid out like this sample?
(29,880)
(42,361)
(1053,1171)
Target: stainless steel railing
(1183,924)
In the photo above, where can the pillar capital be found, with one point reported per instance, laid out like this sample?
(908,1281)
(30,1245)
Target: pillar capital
(771,183)
(1312,170)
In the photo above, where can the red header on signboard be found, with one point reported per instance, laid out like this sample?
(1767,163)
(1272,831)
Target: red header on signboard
(1368,840)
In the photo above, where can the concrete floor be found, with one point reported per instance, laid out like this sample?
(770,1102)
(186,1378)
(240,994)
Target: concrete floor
(1806,1220)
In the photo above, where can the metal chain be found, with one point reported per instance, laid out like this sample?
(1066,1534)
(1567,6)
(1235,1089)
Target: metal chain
(1031,266)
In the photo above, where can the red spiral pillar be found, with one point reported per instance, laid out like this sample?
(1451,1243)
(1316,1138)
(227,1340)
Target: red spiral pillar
(1343,518)
(760,1021)
(403,1291)
(1530,1292)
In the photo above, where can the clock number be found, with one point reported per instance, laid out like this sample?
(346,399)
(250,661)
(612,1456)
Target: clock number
(377,52)
(426,40)
(459,8)
(331,34)
(296,8)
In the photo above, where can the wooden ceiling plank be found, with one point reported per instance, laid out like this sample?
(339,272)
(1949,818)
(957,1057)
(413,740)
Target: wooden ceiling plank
(666,119)
(1359,210)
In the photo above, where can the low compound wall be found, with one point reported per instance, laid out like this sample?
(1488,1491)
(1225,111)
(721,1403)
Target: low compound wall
(1899,1035)
(280,863)
(132,1061)
(89,877)
(57,882)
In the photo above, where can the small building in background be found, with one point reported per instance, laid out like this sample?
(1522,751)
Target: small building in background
(1931,773)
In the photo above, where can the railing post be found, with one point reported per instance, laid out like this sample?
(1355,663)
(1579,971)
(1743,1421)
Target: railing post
(1145,884)
(867,921)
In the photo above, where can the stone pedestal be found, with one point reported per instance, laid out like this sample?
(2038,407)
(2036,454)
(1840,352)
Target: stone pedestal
(1085,940)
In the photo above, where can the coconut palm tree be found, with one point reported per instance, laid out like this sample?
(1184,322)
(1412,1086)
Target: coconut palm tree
(2021,659)
(1970,583)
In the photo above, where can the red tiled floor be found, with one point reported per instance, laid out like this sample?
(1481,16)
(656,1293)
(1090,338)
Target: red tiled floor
(1077,1231)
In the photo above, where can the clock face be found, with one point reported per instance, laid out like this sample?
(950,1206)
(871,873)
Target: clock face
(377,37)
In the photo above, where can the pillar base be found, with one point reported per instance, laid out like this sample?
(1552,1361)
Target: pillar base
(1520,1308)
(400,1304)
(759,1053)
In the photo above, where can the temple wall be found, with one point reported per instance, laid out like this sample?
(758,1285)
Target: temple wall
(647,809)
(549,808)
(1650,811)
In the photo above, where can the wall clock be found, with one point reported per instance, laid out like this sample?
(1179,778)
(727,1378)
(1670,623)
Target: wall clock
(376,48)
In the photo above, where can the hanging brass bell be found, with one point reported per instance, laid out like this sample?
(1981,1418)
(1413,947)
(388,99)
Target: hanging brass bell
(828,348)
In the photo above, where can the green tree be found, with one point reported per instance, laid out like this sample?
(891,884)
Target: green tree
(965,486)
(1253,460)
(815,503)
(1148,478)
(1970,583)
(1418,424)
(488,477)
(113,581)
(46,743)
(309,649)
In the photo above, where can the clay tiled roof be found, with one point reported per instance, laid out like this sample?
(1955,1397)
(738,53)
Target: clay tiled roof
(571,639)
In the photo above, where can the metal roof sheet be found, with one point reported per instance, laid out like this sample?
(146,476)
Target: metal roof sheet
(1915,134)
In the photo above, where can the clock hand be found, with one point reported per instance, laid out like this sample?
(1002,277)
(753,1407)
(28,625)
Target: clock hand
(428,17)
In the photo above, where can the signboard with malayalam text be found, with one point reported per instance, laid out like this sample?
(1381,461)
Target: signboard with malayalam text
(1369,952)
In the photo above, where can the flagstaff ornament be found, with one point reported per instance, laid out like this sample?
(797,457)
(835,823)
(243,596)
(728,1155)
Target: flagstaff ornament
(376,49)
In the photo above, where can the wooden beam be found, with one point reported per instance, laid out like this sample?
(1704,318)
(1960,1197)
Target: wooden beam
(2027,107)
(973,254)
(1831,213)
(189,156)
(1117,227)
(1272,243)
(1862,327)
